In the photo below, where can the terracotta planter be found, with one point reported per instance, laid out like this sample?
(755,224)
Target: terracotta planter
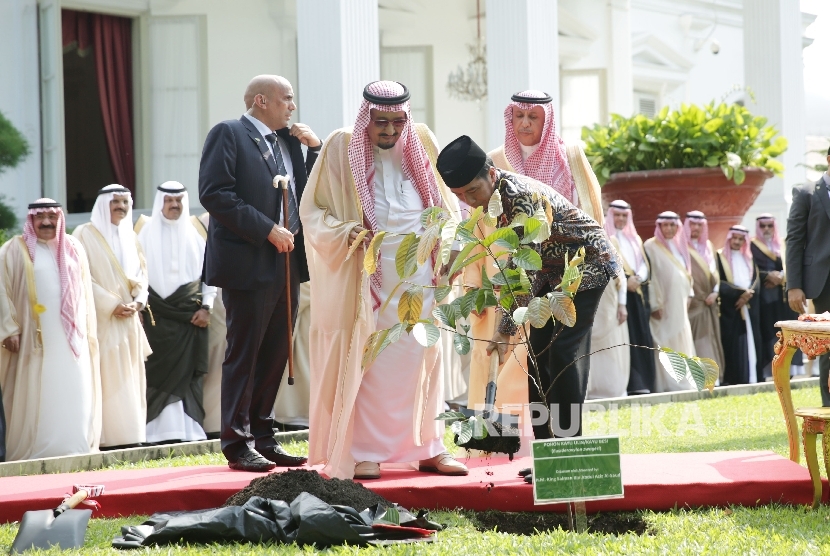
(682,190)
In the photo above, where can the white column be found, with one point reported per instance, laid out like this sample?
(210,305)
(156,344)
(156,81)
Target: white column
(620,80)
(338,54)
(774,70)
(19,97)
(522,53)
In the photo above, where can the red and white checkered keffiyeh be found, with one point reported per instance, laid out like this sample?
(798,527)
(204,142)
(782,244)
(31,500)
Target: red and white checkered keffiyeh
(549,162)
(69,270)
(746,253)
(678,241)
(775,243)
(629,231)
(416,164)
(702,240)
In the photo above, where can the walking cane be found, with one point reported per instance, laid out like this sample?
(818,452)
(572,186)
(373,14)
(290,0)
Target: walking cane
(282,181)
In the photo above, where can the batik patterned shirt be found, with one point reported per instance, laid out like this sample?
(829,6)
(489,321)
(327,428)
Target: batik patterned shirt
(571,229)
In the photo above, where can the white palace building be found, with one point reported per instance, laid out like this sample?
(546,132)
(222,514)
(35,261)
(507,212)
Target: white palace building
(125,90)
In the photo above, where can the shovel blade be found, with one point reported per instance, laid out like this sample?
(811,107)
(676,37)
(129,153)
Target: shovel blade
(41,529)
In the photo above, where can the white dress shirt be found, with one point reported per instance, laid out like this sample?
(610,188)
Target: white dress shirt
(286,157)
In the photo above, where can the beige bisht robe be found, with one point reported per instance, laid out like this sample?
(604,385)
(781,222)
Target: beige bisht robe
(704,319)
(511,387)
(670,288)
(292,404)
(124,347)
(20,373)
(609,369)
(217,342)
(342,317)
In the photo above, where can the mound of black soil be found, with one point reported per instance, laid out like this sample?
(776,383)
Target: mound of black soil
(507,441)
(289,484)
(537,522)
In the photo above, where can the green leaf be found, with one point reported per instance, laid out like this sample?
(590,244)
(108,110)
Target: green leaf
(391,515)
(467,302)
(539,312)
(563,309)
(406,257)
(465,432)
(485,278)
(373,347)
(470,223)
(410,305)
(494,206)
(503,237)
(740,176)
(447,239)
(461,343)
(446,314)
(527,259)
(520,315)
(426,245)
(441,293)
(426,334)
(450,416)
(506,301)
(432,215)
(698,373)
(531,229)
(370,260)
(463,235)
(485,298)
(458,263)
(674,363)
(479,427)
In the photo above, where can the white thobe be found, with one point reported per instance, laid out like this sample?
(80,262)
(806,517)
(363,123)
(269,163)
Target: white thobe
(742,277)
(66,393)
(387,399)
(173,423)
(119,255)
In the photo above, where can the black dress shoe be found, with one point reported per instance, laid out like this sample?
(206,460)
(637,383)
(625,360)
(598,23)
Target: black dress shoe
(282,458)
(525,472)
(251,460)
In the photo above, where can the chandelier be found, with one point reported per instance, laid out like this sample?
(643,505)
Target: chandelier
(470,83)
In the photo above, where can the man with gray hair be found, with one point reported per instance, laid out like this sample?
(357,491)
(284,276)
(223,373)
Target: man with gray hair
(250,242)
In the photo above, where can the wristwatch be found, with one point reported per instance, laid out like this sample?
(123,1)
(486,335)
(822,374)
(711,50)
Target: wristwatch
(207,308)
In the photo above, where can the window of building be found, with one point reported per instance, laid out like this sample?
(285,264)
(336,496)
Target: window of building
(412,66)
(583,102)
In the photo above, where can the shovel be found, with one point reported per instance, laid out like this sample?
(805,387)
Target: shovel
(62,527)
(507,440)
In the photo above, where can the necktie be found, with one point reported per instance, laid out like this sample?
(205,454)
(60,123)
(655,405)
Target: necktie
(293,220)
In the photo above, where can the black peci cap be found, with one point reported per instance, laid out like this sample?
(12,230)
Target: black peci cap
(460,162)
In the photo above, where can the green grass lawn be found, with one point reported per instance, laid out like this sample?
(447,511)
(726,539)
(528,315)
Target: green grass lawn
(732,423)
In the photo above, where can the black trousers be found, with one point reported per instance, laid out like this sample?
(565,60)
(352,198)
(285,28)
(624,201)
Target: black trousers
(568,392)
(2,430)
(822,304)
(254,364)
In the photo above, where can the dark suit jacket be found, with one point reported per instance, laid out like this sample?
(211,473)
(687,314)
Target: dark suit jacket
(236,188)
(808,239)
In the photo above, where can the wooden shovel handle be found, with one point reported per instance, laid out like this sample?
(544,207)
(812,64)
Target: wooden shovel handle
(71,502)
(493,375)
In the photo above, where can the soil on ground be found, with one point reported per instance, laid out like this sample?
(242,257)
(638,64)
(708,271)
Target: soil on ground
(289,484)
(537,522)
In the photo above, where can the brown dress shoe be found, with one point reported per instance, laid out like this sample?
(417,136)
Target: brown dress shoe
(443,464)
(367,470)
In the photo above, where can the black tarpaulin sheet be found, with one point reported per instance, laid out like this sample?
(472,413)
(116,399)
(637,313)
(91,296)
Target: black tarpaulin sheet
(307,520)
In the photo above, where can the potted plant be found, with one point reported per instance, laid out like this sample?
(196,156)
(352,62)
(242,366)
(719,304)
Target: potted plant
(13,149)
(714,158)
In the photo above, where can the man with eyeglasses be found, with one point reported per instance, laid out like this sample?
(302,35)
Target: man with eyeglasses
(768,257)
(49,365)
(377,176)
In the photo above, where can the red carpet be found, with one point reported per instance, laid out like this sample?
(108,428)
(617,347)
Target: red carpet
(653,481)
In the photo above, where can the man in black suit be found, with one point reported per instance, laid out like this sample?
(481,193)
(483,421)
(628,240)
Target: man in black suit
(808,257)
(248,241)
